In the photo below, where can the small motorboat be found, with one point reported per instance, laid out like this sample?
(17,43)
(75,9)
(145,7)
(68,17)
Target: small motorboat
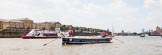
(142,35)
(37,34)
(85,40)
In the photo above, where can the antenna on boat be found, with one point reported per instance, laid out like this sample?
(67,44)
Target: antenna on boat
(112,30)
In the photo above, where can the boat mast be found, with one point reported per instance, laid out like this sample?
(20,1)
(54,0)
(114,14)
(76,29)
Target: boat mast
(113,30)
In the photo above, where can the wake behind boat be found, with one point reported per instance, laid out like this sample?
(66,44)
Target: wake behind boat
(85,40)
(37,34)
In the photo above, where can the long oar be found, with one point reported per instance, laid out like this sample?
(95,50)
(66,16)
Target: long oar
(49,42)
(118,40)
(52,40)
(113,35)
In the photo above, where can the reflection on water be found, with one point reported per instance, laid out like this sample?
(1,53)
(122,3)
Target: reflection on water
(131,45)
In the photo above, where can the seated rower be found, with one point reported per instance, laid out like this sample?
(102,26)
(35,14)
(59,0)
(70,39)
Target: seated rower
(71,32)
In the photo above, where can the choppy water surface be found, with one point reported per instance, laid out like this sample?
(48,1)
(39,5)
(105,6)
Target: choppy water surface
(132,45)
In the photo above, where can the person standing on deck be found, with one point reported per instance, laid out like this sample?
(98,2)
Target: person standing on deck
(104,34)
(71,32)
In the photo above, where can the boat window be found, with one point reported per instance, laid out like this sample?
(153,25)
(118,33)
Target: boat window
(38,34)
(50,34)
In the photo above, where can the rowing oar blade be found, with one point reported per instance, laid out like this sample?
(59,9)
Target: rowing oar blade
(44,44)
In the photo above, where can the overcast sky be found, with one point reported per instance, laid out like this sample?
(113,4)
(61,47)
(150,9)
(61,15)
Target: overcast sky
(128,15)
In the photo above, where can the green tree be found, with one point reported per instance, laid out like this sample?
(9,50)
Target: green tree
(109,32)
(134,33)
(52,28)
(62,27)
(44,28)
(77,28)
(74,28)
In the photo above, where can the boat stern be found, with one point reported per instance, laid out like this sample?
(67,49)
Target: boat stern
(27,37)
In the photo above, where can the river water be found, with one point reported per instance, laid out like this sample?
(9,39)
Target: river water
(128,45)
